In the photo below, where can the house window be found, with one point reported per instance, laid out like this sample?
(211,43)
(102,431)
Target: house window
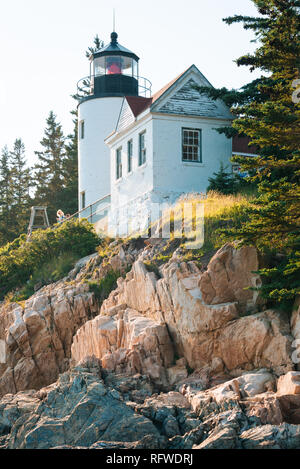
(191,145)
(81,129)
(119,163)
(82,200)
(129,156)
(142,148)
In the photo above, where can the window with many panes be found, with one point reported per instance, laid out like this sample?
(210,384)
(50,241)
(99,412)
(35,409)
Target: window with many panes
(129,155)
(119,163)
(142,148)
(81,129)
(191,145)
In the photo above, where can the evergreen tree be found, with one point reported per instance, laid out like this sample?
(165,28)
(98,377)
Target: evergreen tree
(49,171)
(70,170)
(85,85)
(21,184)
(97,45)
(222,182)
(267,113)
(6,198)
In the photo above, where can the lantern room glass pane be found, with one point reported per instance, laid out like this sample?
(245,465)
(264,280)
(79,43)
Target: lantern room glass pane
(134,68)
(99,66)
(114,65)
(127,66)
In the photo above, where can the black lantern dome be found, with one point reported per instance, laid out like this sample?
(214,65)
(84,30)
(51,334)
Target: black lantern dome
(114,48)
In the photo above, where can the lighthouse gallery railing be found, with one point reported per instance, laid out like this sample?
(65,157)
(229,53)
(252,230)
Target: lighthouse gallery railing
(85,86)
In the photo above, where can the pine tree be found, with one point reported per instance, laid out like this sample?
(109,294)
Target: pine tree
(49,171)
(21,184)
(97,45)
(223,182)
(6,198)
(70,170)
(85,84)
(267,113)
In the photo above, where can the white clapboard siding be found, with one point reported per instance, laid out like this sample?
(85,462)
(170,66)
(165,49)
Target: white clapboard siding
(188,101)
(126,117)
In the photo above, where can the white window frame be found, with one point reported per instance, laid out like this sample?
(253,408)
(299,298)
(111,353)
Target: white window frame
(82,200)
(119,163)
(129,155)
(191,144)
(81,129)
(142,150)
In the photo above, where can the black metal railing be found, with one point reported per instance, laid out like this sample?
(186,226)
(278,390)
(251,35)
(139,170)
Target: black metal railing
(85,86)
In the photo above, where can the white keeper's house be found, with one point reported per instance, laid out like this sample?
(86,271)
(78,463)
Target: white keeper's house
(136,148)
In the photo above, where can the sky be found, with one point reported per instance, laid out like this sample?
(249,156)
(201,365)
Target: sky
(43,43)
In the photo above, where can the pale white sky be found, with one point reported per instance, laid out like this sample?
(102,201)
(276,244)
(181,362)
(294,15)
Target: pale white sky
(42,45)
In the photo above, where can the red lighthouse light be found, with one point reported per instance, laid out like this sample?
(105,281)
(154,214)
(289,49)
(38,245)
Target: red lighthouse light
(114,66)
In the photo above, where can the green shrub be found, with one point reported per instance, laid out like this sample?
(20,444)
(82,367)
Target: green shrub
(19,260)
(152,267)
(103,287)
(223,182)
(228,183)
(50,272)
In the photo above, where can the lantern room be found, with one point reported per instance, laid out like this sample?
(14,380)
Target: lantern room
(114,59)
(114,70)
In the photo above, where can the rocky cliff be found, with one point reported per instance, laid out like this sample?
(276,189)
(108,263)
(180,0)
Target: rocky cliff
(178,356)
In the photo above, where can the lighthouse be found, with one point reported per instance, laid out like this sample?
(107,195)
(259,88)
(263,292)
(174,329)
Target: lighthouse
(114,74)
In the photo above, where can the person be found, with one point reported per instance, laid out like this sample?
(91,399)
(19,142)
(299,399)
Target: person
(60,216)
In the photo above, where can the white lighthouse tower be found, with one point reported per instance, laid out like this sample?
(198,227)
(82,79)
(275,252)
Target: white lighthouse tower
(113,75)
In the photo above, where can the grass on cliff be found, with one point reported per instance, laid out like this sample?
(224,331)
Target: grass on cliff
(103,287)
(220,212)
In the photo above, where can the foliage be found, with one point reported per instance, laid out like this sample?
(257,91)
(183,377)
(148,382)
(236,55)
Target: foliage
(52,271)
(55,179)
(220,212)
(97,45)
(105,248)
(104,286)
(69,203)
(152,267)
(15,185)
(6,197)
(19,262)
(281,280)
(223,182)
(49,178)
(21,185)
(84,89)
(56,173)
(267,113)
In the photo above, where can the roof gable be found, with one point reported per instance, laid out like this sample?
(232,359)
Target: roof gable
(126,116)
(177,97)
(180,97)
(160,92)
(131,107)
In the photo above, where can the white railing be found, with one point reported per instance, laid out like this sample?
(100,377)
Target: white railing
(93,212)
